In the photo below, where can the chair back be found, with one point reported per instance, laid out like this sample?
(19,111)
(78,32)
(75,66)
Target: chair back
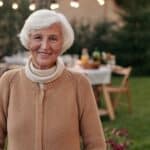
(125,72)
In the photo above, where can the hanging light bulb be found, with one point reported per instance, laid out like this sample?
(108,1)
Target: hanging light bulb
(32,6)
(74,3)
(15,5)
(1,3)
(101,2)
(54,5)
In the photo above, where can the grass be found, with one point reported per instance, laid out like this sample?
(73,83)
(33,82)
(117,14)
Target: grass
(137,123)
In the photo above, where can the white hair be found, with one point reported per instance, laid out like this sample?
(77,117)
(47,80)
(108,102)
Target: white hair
(44,18)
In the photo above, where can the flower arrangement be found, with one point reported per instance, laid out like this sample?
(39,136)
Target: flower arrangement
(117,139)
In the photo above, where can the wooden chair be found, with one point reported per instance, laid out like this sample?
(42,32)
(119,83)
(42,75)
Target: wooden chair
(123,88)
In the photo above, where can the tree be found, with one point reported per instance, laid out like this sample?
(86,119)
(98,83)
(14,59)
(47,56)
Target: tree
(131,44)
(83,37)
(10,24)
(102,36)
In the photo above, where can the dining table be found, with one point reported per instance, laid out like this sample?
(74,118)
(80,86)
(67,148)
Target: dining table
(99,77)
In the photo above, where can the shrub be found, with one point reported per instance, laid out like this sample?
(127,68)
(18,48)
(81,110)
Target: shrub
(117,139)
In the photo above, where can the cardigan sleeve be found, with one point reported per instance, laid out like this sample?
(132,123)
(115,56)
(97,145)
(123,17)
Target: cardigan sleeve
(90,123)
(3,109)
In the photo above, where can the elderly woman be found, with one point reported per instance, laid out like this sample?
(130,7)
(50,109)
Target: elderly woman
(44,106)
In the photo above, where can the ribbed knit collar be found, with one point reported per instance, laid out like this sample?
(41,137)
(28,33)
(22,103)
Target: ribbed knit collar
(43,76)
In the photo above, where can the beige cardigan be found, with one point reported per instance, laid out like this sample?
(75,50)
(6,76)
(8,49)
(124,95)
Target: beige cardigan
(52,118)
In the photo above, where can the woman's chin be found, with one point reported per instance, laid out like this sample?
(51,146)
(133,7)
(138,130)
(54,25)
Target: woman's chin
(45,65)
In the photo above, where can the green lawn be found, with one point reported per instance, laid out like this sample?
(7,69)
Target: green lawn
(137,123)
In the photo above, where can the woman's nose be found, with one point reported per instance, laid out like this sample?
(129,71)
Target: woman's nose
(44,44)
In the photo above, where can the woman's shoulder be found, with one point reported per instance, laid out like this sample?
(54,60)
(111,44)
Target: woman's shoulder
(10,75)
(79,77)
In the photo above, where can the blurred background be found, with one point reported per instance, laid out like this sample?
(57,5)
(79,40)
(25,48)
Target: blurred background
(117,26)
(120,28)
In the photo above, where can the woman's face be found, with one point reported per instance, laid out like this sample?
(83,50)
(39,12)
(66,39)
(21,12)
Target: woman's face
(45,46)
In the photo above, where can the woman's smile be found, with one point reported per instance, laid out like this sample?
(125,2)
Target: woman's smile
(45,53)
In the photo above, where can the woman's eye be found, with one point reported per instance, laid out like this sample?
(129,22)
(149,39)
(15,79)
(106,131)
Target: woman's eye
(53,38)
(37,37)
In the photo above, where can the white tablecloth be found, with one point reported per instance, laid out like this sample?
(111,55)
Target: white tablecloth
(101,75)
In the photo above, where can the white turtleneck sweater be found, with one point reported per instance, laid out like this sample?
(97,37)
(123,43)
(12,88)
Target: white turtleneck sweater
(44,76)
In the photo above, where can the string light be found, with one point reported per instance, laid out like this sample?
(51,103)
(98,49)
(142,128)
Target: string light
(101,2)
(74,3)
(54,5)
(15,5)
(32,6)
(1,3)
